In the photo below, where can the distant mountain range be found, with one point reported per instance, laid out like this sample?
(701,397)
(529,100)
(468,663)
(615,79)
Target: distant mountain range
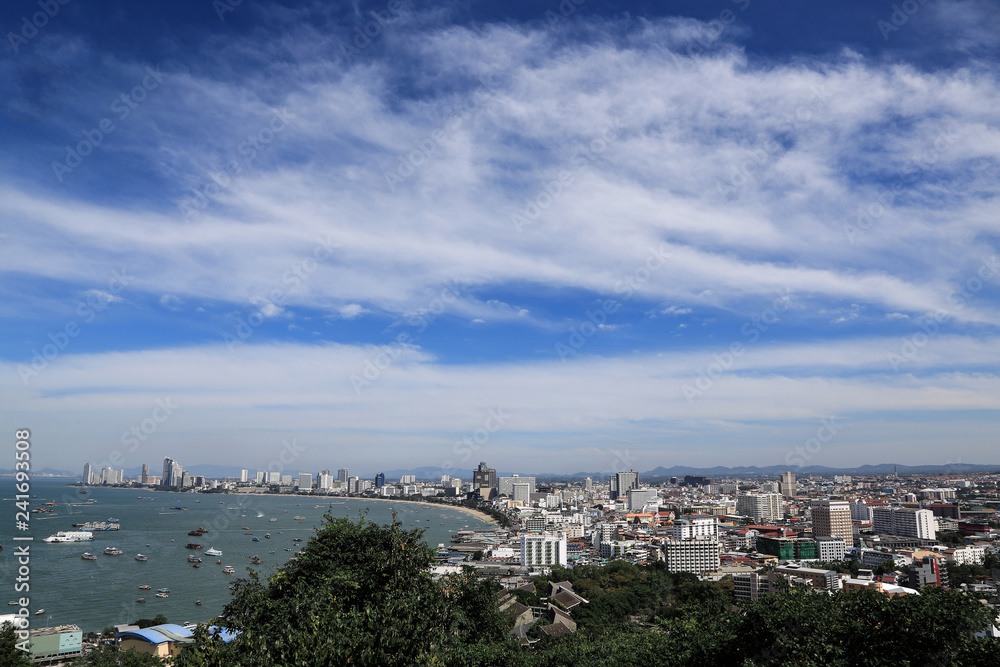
(430,473)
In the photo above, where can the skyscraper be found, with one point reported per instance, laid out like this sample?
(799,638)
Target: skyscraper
(380,480)
(620,483)
(787,484)
(173,473)
(88,473)
(342,475)
(144,477)
(832,518)
(484,478)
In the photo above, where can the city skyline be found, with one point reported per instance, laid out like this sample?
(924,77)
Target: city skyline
(582,236)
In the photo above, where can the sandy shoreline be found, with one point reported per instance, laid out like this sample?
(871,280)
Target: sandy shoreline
(320,499)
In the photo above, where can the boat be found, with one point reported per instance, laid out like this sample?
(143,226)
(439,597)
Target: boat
(83,491)
(141,600)
(162,595)
(218,562)
(229,569)
(113,551)
(213,552)
(198,602)
(196,565)
(39,612)
(13,603)
(255,560)
(273,520)
(267,536)
(178,508)
(256,539)
(162,590)
(245,528)
(89,556)
(297,539)
(299,518)
(144,587)
(112,519)
(194,559)
(70,536)
(141,558)
(192,545)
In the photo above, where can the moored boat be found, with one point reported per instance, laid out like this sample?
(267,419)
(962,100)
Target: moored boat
(141,558)
(213,552)
(144,587)
(141,600)
(162,595)
(89,556)
(229,569)
(113,551)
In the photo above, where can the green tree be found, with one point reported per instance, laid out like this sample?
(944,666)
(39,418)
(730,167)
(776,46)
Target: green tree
(111,655)
(10,655)
(360,593)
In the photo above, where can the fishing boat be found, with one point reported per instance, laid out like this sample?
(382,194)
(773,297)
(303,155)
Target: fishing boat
(144,587)
(255,560)
(113,551)
(141,558)
(141,600)
(218,562)
(89,556)
(162,595)
(194,559)
(192,545)
(229,569)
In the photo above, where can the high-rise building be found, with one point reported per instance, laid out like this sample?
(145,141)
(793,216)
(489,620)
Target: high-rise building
(696,525)
(380,480)
(144,477)
(261,477)
(903,521)
(305,481)
(637,498)
(484,477)
(699,554)
(832,518)
(342,475)
(88,473)
(173,474)
(505,485)
(244,475)
(620,483)
(543,549)
(588,484)
(787,484)
(521,492)
(761,507)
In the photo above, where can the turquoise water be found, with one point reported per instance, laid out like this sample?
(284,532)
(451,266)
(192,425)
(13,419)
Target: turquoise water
(96,594)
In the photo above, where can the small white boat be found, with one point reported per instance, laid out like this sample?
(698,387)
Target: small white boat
(39,612)
(162,595)
(213,552)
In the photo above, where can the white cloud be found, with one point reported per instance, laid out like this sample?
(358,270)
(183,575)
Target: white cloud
(352,310)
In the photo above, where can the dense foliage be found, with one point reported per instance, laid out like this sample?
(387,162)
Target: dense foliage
(360,594)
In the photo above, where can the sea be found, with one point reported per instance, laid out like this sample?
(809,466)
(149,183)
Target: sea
(95,594)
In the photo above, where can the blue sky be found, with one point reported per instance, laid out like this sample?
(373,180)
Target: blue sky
(641,233)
